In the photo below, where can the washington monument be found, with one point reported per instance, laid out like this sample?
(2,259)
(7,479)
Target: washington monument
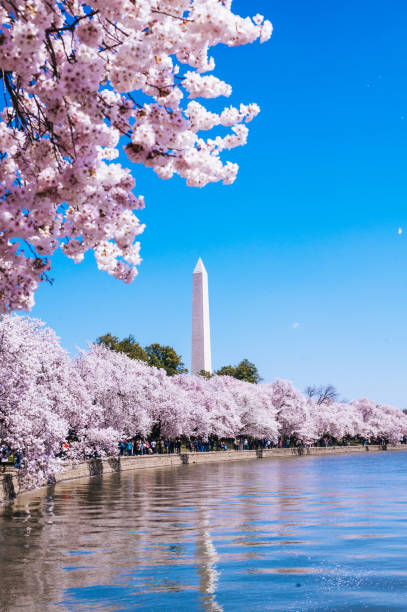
(201,335)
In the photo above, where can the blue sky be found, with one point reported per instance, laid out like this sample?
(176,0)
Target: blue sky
(307,235)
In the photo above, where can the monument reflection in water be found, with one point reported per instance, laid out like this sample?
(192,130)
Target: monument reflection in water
(309,533)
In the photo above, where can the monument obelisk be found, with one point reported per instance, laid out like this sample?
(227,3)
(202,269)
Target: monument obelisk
(201,335)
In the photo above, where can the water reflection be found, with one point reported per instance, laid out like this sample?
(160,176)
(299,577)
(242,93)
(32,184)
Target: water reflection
(305,533)
(206,559)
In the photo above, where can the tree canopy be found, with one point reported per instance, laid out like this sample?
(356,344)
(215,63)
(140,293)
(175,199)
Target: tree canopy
(128,345)
(165,357)
(155,354)
(205,374)
(245,370)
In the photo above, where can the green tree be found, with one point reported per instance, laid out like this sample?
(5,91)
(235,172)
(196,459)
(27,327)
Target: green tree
(205,374)
(108,340)
(155,355)
(165,357)
(226,371)
(245,370)
(128,345)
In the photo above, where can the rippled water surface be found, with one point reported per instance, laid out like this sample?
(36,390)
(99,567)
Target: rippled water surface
(303,533)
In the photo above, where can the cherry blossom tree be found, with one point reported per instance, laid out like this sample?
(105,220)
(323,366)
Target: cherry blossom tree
(380,421)
(41,395)
(128,396)
(259,415)
(393,425)
(200,416)
(112,380)
(225,417)
(82,80)
(292,412)
(227,407)
(253,412)
(333,419)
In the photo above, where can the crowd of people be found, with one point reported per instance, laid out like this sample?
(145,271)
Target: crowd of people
(140,446)
(9,457)
(137,446)
(133,446)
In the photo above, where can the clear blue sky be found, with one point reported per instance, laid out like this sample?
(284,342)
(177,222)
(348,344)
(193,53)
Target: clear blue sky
(307,234)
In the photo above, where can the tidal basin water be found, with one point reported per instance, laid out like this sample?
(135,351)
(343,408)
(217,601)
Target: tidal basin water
(303,533)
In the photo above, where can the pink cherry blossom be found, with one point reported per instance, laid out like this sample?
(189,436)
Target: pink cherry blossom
(41,395)
(83,81)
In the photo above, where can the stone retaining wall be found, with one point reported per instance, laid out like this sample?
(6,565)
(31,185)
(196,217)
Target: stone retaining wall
(9,487)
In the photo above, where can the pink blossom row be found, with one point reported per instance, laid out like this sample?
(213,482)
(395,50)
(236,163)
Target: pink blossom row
(100,396)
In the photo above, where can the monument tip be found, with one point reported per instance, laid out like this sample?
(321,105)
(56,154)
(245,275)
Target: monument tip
(199,267)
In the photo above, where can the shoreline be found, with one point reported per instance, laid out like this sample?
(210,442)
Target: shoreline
(9,487)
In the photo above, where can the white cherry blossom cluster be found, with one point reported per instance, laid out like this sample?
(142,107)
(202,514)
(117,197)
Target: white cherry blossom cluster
(80,81)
